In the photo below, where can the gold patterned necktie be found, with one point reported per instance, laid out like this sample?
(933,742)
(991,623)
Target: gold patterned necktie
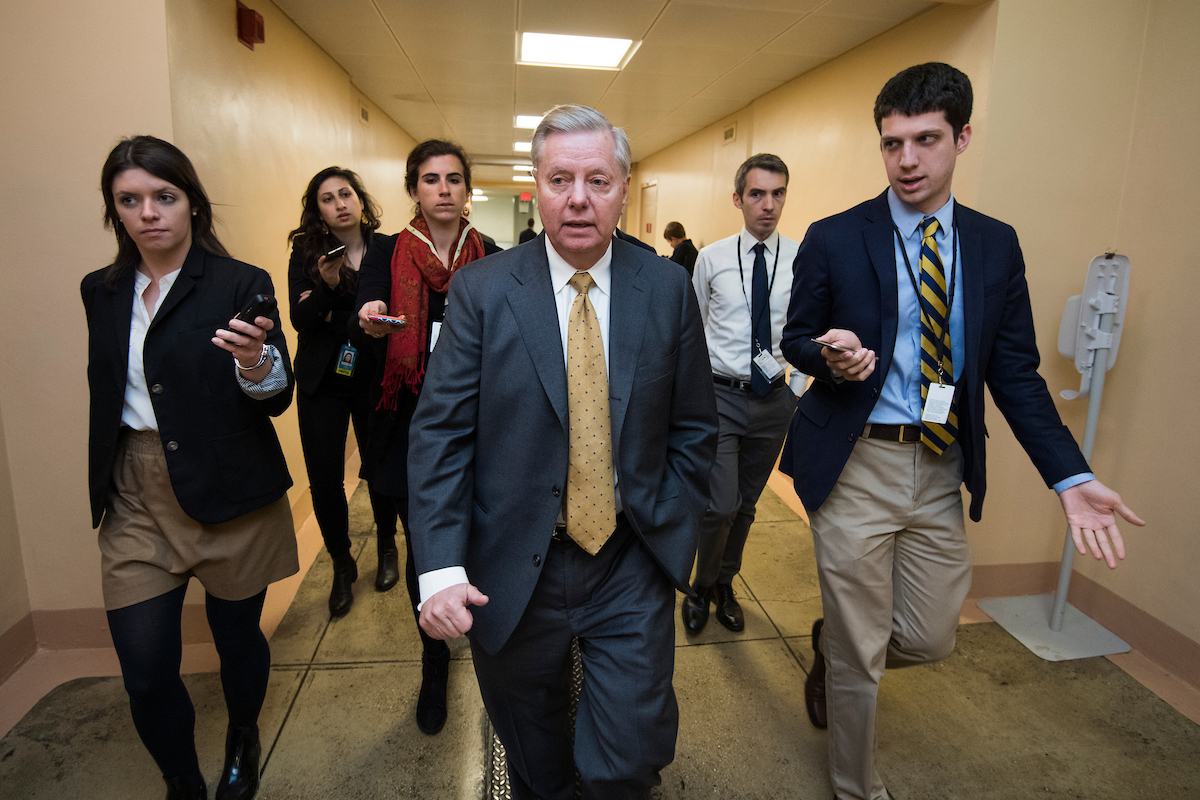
(590,503)
(934,304)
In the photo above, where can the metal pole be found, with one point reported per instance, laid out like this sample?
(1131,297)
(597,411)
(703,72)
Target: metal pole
(1095,390)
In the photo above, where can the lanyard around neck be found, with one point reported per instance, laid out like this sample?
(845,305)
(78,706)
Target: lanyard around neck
(941,345)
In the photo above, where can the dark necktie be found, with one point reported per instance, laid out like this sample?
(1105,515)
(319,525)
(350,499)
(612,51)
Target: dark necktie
(934,304)
(760,321)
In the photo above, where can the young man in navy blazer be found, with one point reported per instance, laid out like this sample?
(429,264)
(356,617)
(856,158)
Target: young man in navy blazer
(893,423)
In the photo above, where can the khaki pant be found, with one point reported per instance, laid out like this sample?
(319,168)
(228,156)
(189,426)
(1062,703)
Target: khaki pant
(894,566)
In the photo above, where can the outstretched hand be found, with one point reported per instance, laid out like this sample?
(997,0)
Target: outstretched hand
(1090,508)
(447,614)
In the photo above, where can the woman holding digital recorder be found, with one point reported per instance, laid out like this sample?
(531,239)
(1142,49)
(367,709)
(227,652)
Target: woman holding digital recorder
(187,478)
(404,280)
(336,366)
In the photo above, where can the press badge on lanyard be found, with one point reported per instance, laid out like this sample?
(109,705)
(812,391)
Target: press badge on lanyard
(346,359)
(938,402)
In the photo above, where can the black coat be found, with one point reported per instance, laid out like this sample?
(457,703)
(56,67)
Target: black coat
(685,255)
(222,453)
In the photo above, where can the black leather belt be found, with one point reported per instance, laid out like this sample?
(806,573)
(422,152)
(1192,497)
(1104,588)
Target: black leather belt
(908,434)
(742,386)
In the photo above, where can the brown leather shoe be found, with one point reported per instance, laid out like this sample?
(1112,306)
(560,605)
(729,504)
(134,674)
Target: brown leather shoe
(814,684)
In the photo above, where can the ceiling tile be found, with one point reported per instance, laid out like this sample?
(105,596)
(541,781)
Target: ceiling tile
(432,49)
(892,10)
(381,89)
(819,35)
(394,67)
(304,12)
(481,93)
(791,6)
(619,19)
(663,59)
(543,87)
(453,15)
(658,90)
(717,26)
(735,86)
(372,40)
(777,66)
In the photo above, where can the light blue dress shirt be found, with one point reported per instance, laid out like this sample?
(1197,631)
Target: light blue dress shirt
(900,399)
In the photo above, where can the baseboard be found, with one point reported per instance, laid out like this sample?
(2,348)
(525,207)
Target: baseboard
(85,628)
(1150,636)
(17,645)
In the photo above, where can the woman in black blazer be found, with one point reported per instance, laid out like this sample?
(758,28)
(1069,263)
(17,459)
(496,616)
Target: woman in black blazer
(407,275)
(186,474)
(335,367)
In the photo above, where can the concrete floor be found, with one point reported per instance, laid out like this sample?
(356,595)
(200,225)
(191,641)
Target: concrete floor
(991,721)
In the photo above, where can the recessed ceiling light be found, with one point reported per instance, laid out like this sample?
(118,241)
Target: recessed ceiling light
(476,192)
(585,52)
(523,167)
(522,147)
(523,178)
(479,198)
(526,121)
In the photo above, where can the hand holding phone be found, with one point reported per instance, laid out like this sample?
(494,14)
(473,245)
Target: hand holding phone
(336,252)
(832,346)
(397,322)
(261,306)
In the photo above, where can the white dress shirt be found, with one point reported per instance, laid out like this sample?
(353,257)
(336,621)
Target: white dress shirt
(725,294)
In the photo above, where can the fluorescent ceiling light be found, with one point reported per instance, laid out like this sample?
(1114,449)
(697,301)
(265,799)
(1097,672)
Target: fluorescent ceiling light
(523,178)
(522,147)
(586,52)
(476,192)
(527,121)
(523,167)
(479,198)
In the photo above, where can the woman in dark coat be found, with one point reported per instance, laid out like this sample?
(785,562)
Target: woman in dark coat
(335,367)
(187,476)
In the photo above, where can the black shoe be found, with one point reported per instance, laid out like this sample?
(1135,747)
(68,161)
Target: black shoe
(239,778)
(341,594)
(814,684)
(185,788)
(695,610)
(431,703)
(388,572)
(728,612)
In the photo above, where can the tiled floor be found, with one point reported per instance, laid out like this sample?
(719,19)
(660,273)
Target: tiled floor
(992,721)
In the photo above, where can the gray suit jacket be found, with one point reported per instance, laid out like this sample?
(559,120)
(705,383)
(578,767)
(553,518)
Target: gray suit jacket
(488,443)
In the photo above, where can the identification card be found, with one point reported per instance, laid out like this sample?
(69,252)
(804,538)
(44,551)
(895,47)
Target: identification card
(346,359)
(937,403)
(435,329)
(768,365)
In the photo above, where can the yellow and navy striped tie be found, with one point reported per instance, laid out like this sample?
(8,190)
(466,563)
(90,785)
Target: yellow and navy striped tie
(934,324)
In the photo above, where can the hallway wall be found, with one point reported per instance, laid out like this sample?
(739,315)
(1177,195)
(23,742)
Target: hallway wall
(1083,112)
(257,125)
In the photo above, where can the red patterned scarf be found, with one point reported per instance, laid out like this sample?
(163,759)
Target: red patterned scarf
(416,269)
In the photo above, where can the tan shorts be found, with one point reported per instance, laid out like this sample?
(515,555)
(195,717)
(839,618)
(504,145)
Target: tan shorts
(149,546)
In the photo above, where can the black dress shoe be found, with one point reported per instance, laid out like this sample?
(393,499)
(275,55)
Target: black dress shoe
(814,684)
(187,788)
(388,572)
(239,778)
(695,610)
(728,611)
(341,594)
(431,703)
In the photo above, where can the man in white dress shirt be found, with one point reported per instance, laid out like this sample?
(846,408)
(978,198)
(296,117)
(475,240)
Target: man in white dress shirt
(742,285)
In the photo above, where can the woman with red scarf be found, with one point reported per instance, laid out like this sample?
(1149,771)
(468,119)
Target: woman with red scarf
(408,275)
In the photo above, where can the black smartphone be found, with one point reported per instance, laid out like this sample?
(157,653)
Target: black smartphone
(336,252)
(261,306)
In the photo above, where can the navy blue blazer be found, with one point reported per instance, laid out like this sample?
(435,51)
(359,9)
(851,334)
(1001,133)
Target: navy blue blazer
(226,460)
(488,443)
(844,276)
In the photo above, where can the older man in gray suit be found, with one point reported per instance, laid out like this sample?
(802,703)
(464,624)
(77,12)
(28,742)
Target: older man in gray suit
(559,458)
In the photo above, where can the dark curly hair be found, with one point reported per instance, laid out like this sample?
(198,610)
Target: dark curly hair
(166,162)
(927,87)
(314,236)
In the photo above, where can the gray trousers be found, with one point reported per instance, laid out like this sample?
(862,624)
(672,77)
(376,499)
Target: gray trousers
(894,566)
(752,430)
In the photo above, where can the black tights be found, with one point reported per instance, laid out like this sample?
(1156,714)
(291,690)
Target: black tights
(149,645)
(429,645)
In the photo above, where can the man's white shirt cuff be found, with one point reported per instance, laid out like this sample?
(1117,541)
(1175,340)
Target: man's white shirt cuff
(431,583)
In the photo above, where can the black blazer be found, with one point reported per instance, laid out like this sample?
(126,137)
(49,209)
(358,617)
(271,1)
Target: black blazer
(319,341)
(685,254)
(844,276)
(222,453)
(488,449)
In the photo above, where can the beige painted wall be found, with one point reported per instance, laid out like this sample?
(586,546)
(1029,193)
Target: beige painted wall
(78,76)
(1084,111)
(257,125)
